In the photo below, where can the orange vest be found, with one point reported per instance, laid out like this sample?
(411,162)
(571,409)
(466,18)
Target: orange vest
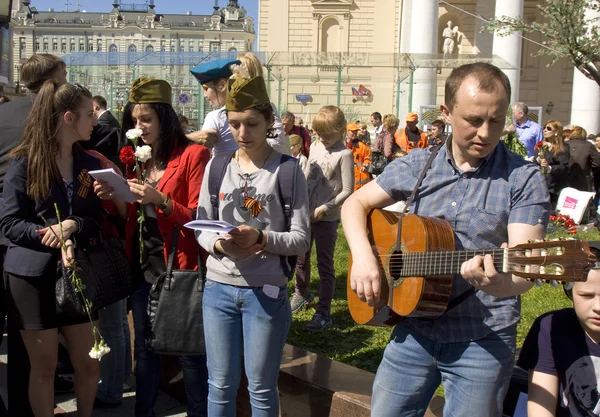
(362,158)
(406,145)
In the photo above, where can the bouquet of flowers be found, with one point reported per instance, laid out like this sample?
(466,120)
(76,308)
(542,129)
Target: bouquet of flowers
(539,150)
(564,222)
(133,161)
(100,347)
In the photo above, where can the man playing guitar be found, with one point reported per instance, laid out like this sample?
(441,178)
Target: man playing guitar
(491,198)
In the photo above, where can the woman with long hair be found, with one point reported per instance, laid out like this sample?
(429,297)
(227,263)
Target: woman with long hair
(168,197)
(384,142)
(554,159)
(245,306)
(49,168)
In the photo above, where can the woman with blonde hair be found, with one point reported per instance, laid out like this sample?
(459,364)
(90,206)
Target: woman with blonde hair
(251,67)
(553,157)
(384,142)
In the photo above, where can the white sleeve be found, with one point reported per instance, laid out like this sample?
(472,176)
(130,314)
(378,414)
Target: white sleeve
(211,122)
(281,143)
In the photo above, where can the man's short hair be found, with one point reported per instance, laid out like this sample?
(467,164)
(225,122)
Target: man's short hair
(376,115)
(287,115)
(439,123)
(520,106)
(183,119)
(39,68)
(488,76)
(100,101)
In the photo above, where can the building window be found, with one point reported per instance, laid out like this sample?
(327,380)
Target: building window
(214,47)
(163,46)
(63,46)
(36,45)
(81,46)
(45,46)
(22,48)
(191,49)
(90,46)
(131,54)
(113,55)
(99,48)
(149,48)
(172,46)
(72,46)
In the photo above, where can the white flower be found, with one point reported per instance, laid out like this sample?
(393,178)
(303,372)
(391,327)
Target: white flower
(134,133)
(99,350)
(143,153)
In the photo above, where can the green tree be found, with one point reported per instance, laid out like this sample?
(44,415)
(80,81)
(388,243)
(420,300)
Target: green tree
(568,31)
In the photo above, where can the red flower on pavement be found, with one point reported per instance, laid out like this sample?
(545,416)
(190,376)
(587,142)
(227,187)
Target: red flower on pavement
(127,156)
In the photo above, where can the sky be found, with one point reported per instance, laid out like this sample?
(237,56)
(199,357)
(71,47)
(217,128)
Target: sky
(201,7)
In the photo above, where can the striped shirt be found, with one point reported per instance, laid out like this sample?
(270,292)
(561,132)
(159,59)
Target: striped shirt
(479,204)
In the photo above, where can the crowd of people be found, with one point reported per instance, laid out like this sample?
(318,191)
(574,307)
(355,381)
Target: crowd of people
(281,188)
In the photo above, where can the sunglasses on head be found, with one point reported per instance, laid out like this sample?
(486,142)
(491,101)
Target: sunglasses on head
(78,88)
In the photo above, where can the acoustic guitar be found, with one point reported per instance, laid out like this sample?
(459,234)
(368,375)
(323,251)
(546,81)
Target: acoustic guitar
(416,279)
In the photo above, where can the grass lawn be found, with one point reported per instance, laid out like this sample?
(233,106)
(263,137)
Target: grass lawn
(362,346)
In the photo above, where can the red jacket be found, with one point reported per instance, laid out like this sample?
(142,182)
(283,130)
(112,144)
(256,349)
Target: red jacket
(181,183)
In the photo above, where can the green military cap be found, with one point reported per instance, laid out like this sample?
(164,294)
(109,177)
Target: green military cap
(150,90)
(244,93)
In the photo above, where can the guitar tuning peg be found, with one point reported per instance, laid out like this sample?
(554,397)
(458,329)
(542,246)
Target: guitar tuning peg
(531,241)
(539,240)
(568,285)
(539,282)
(554,283)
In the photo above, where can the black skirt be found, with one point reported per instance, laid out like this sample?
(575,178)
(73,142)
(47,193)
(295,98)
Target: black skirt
(32,300)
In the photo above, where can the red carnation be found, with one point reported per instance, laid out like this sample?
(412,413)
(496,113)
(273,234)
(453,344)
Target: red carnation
(127,156)
(538,145)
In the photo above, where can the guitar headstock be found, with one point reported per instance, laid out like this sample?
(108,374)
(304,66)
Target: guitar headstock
(560,260)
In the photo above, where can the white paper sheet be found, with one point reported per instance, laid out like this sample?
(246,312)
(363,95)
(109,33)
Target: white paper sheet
(218,226)
(121,189)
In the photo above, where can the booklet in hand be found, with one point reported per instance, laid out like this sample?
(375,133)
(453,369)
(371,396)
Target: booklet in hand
(121,188)
(218,226)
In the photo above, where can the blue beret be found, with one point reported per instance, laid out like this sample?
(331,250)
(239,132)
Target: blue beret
(214,70)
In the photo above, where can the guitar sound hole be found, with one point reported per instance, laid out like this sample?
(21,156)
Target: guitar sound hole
(395,266)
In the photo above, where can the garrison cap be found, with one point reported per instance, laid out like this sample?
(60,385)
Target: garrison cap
(246,93)
(214,70)
(150,90)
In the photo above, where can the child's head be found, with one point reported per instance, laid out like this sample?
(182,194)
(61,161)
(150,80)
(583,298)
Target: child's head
(586,299)
(330,125)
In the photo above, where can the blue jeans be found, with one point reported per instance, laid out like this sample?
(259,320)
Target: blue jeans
(475,374)
(237,318)
(148,366)
(116,366)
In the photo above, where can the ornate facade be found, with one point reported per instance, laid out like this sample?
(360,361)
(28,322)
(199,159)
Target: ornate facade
(377,31)
(115,44)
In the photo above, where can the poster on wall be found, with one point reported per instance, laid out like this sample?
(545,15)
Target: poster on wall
(4,51)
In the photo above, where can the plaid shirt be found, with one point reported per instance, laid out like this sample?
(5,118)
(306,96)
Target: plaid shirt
(479,204)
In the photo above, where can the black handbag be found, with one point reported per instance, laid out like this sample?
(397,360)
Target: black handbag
(175,310)
(105,273)
(378,163)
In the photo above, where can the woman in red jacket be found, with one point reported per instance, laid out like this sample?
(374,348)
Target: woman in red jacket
(169,198)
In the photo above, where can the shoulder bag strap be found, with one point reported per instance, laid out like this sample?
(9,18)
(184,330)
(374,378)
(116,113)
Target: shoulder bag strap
(218,168)
(171,257)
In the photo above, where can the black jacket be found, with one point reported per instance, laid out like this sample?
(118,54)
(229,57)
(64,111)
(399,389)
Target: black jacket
(558,177)
(12,122)
(21,216)
(584,161)
(106,136)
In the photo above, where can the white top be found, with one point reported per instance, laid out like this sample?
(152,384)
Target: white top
(217,120)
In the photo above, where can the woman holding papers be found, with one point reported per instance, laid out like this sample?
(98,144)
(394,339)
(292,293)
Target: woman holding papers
(168,197)
(49,168)
(245,308)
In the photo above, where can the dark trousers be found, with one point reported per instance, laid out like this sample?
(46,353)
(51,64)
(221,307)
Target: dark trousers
(18,367)
(324,235)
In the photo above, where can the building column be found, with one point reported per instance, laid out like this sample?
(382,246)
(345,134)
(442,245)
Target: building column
(509,47)
(419,35)
(585,99)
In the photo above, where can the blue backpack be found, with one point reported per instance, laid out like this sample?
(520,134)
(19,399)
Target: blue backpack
(286,176)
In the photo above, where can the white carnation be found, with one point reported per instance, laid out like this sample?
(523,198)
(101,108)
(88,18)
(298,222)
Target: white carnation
(143,153)
(134,133)
(98,351)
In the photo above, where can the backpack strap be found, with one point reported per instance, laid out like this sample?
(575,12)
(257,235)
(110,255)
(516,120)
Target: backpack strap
(286,184)
(218,168)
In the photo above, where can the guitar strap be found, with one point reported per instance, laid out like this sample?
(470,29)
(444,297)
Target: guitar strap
(462,297)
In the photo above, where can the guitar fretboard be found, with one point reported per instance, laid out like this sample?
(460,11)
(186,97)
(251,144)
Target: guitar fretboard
(418,264)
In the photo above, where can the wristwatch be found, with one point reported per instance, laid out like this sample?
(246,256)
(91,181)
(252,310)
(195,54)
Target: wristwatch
(163,206)
(261,236)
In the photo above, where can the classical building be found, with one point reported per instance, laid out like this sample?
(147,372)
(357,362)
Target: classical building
(394,55)
(106,51)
